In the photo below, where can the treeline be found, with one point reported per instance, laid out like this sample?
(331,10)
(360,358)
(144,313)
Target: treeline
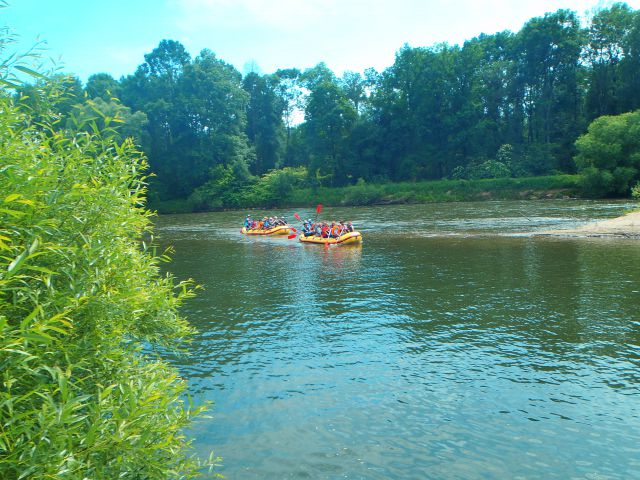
(501,105)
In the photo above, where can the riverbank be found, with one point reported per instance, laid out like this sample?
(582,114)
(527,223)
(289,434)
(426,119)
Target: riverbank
(627,226)
(364,194)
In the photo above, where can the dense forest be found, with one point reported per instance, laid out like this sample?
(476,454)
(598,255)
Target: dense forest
(501,105)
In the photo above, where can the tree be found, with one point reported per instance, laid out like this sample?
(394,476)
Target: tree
(609,154)
(289,91)
(330,118)
(167,61)
(549,52)
(102,85)
(353,86)
(265,127)
(212,105)
(196,113)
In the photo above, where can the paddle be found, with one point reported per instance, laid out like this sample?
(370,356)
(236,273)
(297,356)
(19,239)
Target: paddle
(295,232)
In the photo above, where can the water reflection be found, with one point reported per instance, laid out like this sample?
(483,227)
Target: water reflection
(460,350)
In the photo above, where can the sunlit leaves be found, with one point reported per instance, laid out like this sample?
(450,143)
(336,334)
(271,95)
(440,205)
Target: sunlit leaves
(79,299)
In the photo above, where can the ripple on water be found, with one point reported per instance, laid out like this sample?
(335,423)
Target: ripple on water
(448,352)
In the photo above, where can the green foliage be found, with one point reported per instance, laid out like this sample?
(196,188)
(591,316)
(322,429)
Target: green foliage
(102,85)
(486,169)
(440,191)
(82,308)
(635,191)
(609,155)
(223,190)
(265,125)
(228,189)
(109,117)
(277,186)
(507,104)
(196,113)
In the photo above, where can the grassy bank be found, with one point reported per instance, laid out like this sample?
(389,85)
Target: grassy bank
(441,191)
(556,186)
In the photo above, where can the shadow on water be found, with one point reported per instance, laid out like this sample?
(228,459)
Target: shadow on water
(446,346)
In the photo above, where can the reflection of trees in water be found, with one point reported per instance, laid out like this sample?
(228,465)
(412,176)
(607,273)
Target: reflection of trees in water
(327,278)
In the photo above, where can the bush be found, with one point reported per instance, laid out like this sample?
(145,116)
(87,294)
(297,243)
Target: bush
(485,169)
(80,297)
(596,183)
(611,147)
(277,185)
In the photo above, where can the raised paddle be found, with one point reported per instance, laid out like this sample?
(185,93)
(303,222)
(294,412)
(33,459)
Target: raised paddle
(295,232)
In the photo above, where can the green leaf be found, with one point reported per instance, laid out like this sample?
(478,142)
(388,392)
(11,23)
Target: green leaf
(9,84)
(31,316)
(12,197)
(15,265)
(29,71)
(13,213)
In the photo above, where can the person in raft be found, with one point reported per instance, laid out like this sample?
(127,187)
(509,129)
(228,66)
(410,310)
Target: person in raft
(265,224)
(326,230)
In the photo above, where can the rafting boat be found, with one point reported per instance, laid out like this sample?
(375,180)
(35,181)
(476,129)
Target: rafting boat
(278,230)
(351,237)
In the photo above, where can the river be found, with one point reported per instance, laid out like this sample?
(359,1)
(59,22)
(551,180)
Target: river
(453,344)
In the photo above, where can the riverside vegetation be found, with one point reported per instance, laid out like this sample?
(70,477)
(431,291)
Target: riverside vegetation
(84,311)
(504,105)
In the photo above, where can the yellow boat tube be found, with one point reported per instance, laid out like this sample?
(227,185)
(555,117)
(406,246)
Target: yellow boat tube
(279,230)
(351,237)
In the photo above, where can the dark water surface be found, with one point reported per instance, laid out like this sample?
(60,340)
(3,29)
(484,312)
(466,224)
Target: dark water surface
(452,344)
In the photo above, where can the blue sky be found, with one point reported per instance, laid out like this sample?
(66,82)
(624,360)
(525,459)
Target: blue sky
(91,36)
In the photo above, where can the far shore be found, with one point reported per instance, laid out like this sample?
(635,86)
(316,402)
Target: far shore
(626,226)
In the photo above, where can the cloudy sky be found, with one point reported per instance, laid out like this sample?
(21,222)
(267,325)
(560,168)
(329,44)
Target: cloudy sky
(112,36)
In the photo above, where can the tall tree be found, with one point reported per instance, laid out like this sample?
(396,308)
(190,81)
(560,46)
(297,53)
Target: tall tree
(102,85)
(265,127)
(549,52)
(330,118)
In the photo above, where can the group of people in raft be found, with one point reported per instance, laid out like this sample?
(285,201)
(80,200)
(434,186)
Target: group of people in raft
(266,223)
(326,230)
(309,227)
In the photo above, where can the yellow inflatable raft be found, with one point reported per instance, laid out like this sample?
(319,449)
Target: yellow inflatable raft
(351,237)
(279,230)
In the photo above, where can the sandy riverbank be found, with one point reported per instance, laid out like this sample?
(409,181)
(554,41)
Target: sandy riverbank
(627,226)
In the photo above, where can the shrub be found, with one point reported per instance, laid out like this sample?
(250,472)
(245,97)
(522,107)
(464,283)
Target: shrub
(81,299)
(277,185)
(612,147)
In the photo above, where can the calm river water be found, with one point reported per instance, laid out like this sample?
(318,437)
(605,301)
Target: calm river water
(453,344)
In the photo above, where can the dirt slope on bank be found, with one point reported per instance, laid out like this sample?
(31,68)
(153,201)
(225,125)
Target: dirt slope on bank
(625,226)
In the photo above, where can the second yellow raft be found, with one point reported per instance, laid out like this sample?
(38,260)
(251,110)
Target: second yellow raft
(351,237)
